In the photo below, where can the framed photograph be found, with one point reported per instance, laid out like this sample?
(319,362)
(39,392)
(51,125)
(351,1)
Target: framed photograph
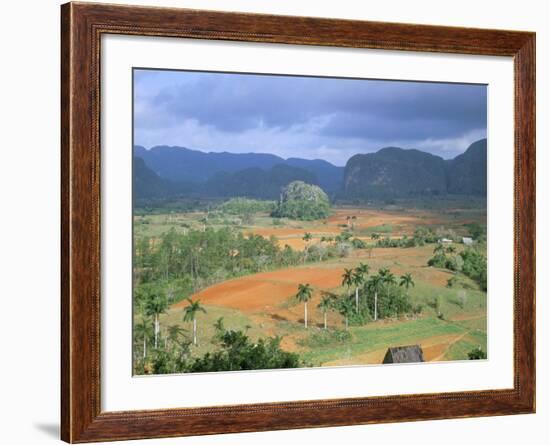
(275,222)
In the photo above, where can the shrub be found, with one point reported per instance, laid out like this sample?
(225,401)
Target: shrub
(477,354)
(475,266)
(238,352)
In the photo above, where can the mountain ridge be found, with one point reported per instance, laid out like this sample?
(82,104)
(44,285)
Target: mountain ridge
(388,173)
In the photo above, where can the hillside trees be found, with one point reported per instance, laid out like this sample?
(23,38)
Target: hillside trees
(302,201)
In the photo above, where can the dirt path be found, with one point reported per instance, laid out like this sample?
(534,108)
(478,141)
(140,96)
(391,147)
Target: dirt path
(457,339)
(434,349)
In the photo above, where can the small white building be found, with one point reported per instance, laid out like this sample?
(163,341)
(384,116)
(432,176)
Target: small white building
(467,241)
(445,241)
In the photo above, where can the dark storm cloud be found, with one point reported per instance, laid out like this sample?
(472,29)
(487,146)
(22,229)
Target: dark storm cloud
(332,110)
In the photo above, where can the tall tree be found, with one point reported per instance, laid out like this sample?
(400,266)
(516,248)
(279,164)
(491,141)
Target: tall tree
(306,238)
(389,279)
(358,279)
(359,276)
(326,304)
(347,278)
(375,285)
(345,308)
(143,329)
(155,305)
(190,314)
(178,337)
(407,282)
(304,294)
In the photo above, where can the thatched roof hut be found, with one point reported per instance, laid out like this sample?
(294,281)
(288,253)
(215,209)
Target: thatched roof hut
(404,354)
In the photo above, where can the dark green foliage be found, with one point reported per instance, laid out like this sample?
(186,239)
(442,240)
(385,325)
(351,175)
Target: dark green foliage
(238,353)
(343,237)
(421,237)
(471,262)
(475,266)
(302,201)
(477,354)
(392,301)
(358,243)
(446,261)
(451,282)
(198,258)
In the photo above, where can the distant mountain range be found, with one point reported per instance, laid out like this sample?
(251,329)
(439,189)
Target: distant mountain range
(390,172)
(395,172)
(183,164)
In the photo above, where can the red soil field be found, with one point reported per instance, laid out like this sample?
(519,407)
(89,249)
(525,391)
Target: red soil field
(267,289)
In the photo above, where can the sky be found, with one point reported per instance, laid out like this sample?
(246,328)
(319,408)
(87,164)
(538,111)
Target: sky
(306,117)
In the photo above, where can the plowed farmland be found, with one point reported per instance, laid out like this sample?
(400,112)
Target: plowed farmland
(449,322)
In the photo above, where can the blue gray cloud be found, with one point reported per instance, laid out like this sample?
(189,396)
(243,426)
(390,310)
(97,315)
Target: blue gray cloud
(308,117)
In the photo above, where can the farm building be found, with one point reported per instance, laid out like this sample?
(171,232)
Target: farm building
(404,354)
(445,241)
(467,241)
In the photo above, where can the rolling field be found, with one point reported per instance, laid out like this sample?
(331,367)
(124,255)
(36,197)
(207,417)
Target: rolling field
(264,303)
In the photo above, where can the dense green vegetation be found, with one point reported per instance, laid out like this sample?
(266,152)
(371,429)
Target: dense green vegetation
(236,351)
(180,264)
(471,262)
(242,206)
(303,202)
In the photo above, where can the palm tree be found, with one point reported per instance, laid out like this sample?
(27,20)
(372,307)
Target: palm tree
(175,334)
(143,329)
(155,305)
(358,279)
(306,238)
(375,285)
(190,314)
(303,295)
(388,278)
(345,308)
(326,304)
(347,278)
(407,281)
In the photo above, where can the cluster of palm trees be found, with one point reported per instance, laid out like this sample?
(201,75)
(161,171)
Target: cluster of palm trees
(157,304)
(357,278)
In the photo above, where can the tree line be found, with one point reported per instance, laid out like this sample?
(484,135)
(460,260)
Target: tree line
(367,298)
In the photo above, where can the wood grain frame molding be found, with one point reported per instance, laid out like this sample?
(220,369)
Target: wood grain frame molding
(82,26)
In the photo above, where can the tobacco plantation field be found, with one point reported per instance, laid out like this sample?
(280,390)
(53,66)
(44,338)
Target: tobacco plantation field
(253,290)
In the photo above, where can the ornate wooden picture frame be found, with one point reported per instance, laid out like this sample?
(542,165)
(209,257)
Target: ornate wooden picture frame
(82,27)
